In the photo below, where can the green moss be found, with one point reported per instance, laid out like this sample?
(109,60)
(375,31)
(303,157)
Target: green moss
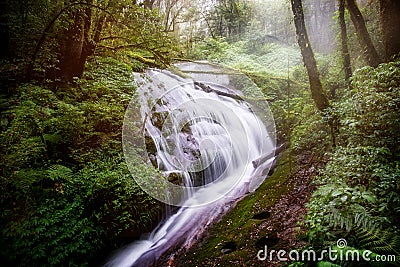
(238,224)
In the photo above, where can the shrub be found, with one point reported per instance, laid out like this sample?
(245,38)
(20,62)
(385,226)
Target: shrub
(67,192)
(359,188)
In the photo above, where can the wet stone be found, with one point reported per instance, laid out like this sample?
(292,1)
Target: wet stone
(158,119)
(270,241)
(228,247)
(262,215)
(175,178)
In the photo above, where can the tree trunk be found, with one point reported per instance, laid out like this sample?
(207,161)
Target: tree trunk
(71,56)
(390,23)
(148,4)
(343,37)
(78,45)
(308,56)
(4,31)
(370,53)
(99,29)
(88,45)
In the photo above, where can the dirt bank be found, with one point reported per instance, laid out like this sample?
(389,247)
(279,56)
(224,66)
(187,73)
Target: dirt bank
(269,217)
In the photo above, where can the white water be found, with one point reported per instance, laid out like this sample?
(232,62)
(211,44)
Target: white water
(228,137)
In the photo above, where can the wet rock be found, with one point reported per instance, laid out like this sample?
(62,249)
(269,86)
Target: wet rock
(228,247)
(150,146)
(151,149)
(186,129)
(209,89)
(158,119)
(262,215)
(270,241)
(271,171)
(175,178)
(190,146)
(153,160)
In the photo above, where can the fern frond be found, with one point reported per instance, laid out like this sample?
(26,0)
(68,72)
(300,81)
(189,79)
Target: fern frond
(349,219)
(380,241)
(59,172)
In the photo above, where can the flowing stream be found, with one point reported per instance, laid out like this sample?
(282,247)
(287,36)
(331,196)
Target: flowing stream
(205,139)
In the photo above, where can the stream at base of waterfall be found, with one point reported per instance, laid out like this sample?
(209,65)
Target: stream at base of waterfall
(204,129)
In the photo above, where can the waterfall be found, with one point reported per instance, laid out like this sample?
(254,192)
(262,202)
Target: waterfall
(204,137)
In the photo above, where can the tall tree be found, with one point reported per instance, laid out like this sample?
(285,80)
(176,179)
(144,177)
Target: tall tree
(78,46)
(148,3)
(390,23)
(170,11)
(231,17)
(319,21)
(98,25)
(343,38)
(370,53)
(4,31)
(317,92)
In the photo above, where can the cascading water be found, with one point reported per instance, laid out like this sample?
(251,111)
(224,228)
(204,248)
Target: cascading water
(205,136)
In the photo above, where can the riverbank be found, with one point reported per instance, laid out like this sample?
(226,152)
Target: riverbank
(269,217)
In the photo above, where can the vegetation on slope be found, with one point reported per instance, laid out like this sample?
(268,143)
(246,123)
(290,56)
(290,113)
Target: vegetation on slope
(357,196)
(67,194)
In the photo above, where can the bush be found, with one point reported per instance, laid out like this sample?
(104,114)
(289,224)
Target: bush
(372,108)
(209,49)
(67,192)
(359,188)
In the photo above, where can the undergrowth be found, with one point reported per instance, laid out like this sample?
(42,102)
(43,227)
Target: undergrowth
(67,195)
(358,195)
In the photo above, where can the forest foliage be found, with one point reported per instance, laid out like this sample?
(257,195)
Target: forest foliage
(358,191)
(66,80)
(67,192)
(67,67)
(357,194)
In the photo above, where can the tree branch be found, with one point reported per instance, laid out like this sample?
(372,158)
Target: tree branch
(50,25)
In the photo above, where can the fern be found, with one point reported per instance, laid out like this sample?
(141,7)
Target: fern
(358,216)
(58,172)
(327,264)
(380,241)
(341,219)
